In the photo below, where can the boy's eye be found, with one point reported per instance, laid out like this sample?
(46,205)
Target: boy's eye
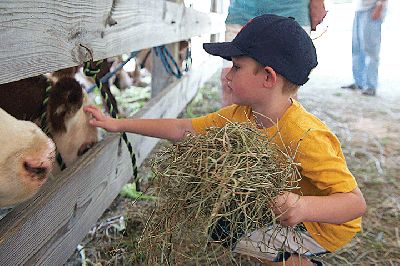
(236,67)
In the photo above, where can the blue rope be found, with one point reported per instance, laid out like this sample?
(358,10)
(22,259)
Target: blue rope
(106,77)
(167,59)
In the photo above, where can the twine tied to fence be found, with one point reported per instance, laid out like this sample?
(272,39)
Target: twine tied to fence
(91,69)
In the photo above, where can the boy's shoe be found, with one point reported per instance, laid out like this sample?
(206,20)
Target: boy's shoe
(369,92)
(351,87)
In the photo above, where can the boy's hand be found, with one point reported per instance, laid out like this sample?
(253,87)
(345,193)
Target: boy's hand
(101,120)
(289,207)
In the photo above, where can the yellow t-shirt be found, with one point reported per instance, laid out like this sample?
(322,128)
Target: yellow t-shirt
(322,164)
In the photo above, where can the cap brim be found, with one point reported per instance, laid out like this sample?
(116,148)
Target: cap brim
(226,50)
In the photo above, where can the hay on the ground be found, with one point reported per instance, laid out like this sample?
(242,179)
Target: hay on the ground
(211,189)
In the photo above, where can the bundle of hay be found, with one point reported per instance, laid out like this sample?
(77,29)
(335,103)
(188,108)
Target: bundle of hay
(211,189)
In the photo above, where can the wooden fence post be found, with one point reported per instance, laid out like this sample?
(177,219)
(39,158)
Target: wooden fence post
(217,7)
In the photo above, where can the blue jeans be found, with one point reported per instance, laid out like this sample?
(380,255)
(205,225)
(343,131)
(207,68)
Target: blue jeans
(366,44)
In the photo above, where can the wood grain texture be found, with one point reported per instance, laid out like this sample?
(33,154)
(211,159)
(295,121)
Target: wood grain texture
(37,37)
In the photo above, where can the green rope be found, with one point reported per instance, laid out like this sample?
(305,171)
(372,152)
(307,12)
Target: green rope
(89,71)
(60,161)
(45,125)
(43,118)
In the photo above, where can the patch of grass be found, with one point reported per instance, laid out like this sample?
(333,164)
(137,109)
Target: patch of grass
(129,191)
(386,141)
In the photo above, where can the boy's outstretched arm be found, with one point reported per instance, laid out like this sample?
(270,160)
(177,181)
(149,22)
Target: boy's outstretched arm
(171,129)
(336,208)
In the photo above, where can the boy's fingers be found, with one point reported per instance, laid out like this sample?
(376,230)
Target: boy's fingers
(89,107)
(92,109)
(277,210)
(95,112)
(93,122)
(96,123)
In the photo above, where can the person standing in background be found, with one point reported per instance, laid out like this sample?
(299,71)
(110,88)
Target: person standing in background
(308,13)
(366,44)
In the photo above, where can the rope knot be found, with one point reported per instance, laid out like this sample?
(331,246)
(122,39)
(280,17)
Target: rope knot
(91,68)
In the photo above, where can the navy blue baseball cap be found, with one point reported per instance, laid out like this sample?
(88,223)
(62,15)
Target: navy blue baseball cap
(274,41)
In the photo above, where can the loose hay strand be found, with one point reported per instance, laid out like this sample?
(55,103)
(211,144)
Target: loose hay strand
(212,189)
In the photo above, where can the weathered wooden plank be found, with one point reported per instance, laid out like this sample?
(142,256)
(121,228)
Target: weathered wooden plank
(217,6)
(43,36)
(46,230)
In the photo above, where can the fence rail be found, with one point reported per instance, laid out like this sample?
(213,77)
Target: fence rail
(37,37)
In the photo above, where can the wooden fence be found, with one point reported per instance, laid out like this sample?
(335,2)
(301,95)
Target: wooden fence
(43,36)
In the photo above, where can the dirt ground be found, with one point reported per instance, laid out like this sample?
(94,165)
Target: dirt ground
(368,128)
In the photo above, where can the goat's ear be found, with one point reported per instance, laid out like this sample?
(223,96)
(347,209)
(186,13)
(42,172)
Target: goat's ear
(66,98)
(66,72)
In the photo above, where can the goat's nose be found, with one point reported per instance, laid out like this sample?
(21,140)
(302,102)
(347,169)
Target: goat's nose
(38,169)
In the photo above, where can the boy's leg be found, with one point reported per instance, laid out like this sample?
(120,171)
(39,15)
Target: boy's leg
(267,244)
(293,260)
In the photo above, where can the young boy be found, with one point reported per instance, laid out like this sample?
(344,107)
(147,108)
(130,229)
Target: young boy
(272,56)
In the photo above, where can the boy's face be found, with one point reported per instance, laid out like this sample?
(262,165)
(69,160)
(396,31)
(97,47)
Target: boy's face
(245,81)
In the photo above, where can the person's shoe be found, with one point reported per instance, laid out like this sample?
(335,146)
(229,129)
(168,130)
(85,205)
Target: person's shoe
(369,92)
(351,87)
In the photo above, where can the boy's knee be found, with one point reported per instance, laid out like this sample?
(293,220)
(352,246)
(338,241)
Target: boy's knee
(295,260)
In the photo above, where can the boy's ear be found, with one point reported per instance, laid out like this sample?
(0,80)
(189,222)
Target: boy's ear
(270,77)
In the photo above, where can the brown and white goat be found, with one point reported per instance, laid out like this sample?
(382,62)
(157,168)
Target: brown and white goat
(67,123)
